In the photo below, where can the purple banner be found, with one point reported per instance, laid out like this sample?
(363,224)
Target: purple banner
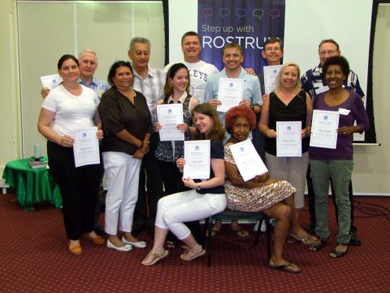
(247,22)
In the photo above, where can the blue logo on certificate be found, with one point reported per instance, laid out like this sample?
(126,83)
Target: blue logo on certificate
(197,148)
(169,111)
(326,117)
(84,134)
(288,128)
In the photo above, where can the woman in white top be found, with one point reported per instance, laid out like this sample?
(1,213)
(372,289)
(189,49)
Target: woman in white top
(67,108)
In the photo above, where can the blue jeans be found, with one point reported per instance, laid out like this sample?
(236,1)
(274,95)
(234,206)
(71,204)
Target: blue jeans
(339,171)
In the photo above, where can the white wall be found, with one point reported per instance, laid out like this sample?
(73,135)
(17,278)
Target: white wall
(9,93)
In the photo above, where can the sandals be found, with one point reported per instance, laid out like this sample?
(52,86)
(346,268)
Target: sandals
(339,253)
(154,257)
(288,267)
(170,244)
(241,233)
(191,254)
(318,245)
(307,240)
(213,232)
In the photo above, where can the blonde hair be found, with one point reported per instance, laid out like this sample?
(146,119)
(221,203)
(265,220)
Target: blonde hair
(283,69)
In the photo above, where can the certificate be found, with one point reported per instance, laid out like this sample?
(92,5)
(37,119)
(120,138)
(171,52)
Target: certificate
(270,73)
(247,160)
(169,116)
(324,129)
(288,139)
(229,93)
(86,147)
(197,157)
(51,81)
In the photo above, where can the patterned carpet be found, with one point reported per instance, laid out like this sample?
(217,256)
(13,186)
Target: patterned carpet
(34,258)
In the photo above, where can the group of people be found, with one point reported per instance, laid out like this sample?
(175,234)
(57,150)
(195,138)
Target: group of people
(133,156)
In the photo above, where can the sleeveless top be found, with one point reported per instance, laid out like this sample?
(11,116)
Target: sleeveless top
(278,111)
(170,151)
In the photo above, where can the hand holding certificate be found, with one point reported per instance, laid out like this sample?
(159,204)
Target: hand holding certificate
(51,81)
(324,129)
(230,93)
(270,73)
(169,116)
(288,139)
(197,157)
(247,160)
(86,147)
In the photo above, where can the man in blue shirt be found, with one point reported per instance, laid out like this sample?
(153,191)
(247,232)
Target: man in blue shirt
(313,81)
(232,59)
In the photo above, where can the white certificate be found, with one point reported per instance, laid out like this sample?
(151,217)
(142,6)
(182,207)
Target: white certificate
(230,93)
(324,129)
(86,147)
(247,160)
(288,139)
(51,81)
(197,157)
(270,73)
(169,116)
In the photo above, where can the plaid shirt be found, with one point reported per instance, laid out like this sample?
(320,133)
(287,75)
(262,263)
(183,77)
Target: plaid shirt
(152,87)
(99,86)
(313,81)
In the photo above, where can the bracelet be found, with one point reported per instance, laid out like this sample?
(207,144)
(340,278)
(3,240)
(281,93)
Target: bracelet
(198,186)
(142,145)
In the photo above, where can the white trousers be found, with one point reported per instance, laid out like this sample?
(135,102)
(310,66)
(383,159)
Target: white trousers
(122,172)
(175,209)
(291,169)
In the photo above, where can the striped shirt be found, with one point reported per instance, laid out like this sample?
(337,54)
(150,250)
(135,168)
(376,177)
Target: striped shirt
(152,87)
(313,82)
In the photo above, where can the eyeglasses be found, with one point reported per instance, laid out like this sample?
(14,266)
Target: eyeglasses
(270,49)
(329,53)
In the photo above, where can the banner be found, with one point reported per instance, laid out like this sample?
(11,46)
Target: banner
(247,22)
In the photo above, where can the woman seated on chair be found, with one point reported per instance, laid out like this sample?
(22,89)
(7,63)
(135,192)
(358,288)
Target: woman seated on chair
(273,197)
(205,198)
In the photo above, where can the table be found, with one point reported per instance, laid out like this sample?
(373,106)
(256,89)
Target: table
(32,185)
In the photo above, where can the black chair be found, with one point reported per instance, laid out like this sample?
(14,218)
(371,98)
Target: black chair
(237,215)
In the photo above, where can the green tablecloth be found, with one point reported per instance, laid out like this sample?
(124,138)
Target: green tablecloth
(32,185)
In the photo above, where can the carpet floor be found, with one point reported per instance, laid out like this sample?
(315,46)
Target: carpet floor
(34,258)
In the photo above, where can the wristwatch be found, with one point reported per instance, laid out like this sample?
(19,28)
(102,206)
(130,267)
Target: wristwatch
(198,186)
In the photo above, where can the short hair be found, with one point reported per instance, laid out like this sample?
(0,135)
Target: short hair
(168,89)
(337,60)
(141,40)
(190,34)
(329,41)
(88,51)
(217,132)
(239,111)
(231,45)
(64,58)
(282,69)
(113,69)
(273,41)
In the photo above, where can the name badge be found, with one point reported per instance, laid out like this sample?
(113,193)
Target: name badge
(322,90)
(344,111)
